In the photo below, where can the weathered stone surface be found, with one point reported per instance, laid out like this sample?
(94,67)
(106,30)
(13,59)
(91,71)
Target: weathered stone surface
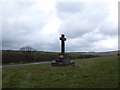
(63,39)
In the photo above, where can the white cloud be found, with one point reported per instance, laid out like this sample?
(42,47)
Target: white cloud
(107,44)
(88,26)
(84,21)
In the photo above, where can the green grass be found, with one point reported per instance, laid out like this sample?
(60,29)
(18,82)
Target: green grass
(74,54)
(100,72)
(0,77)
(56,53)
(47,52)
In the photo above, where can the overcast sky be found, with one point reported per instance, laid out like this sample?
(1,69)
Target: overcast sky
(88,25)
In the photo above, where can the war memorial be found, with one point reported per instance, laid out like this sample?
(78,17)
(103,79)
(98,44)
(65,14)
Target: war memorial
(62,59)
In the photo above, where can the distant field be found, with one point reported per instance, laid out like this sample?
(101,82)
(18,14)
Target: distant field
(100,72)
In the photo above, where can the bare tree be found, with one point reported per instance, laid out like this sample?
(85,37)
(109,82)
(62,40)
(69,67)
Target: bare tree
(27,48)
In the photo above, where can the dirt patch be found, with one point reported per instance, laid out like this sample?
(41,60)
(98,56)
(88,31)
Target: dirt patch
(76,65)
(56,66)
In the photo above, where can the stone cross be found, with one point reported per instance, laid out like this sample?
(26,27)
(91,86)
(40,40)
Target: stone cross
(63,39)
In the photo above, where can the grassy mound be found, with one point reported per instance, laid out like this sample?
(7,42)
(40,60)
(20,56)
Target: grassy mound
(100,72)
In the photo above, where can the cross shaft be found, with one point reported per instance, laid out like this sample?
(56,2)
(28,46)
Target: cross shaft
(63,39)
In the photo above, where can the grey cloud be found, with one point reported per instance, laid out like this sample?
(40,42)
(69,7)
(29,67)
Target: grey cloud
(25,4)
(108,28)
(12,43)
(71,7)
(48,46)
(84,21)
(20,25)
(76,28)
(93,37)
(82,27)
(17,34)
(24,24)
(78,44)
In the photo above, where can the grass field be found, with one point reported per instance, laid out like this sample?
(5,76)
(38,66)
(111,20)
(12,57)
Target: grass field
(100,72)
